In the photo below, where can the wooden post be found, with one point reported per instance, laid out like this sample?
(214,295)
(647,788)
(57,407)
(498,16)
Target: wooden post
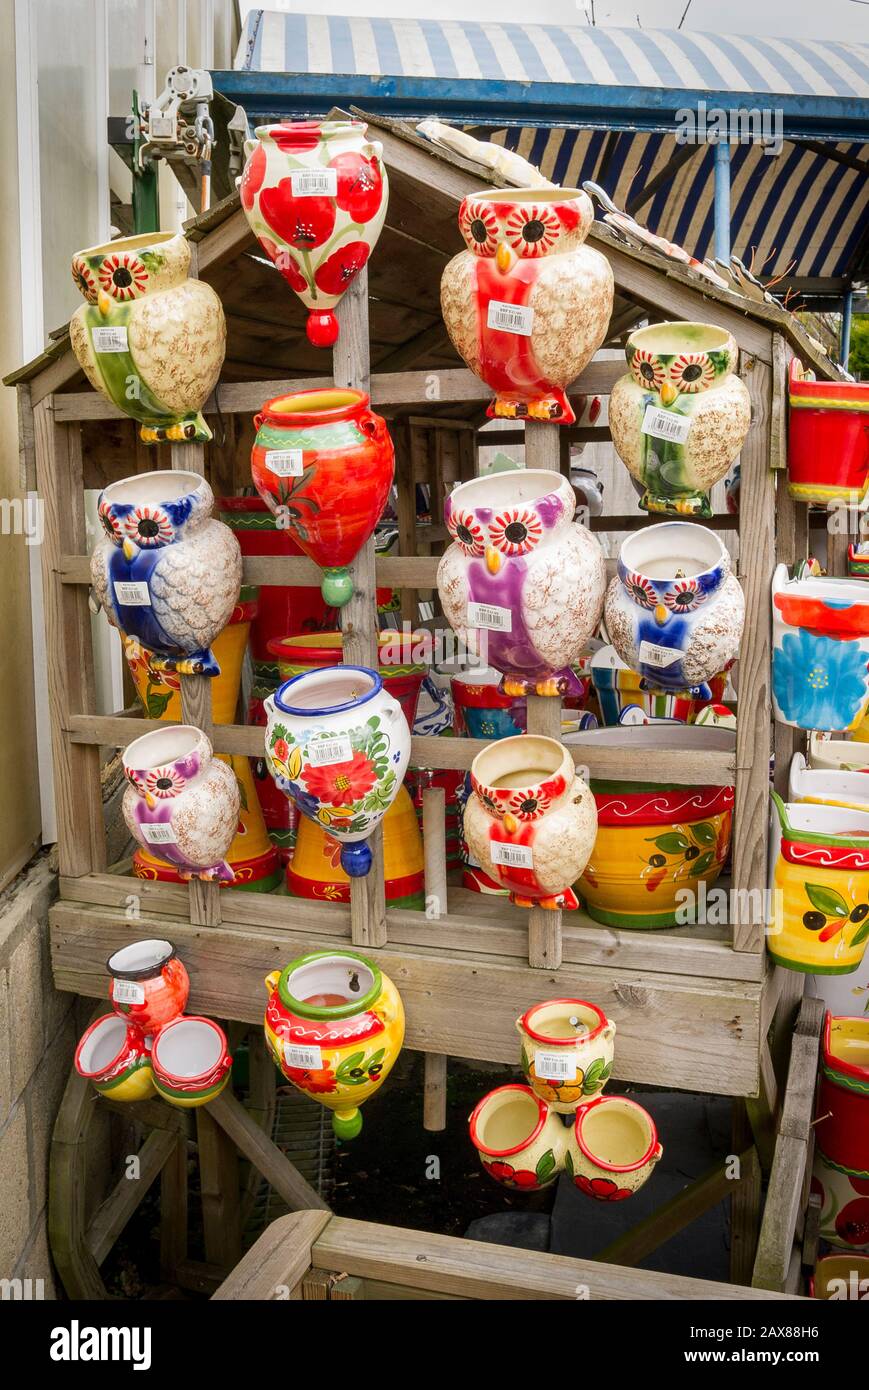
(436,905)
(173,1211)
(543,450)
(351,367)
(218,1179)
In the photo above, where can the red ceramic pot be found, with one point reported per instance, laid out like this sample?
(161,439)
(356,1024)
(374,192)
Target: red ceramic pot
(842,1132)
(279,812)
(323,463)
(295,655)
(828,439)
(150,984)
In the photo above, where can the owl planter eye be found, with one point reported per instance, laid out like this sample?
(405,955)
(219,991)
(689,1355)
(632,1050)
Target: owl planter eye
(692,371)
(479,226)
(515,532)
(148,526)
(533,230)
(467,532)
(123,276)
(648,370)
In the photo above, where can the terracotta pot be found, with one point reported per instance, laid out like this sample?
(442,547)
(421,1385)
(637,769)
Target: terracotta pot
(567,1051)
(401,679)
(323,462)
(315,869)
(114,1056)
(527,305)
(612,1148)
(620,690)
(842,1129)
(149,985)
(820,634)
(191,1061)
(520,1140)
(828,439)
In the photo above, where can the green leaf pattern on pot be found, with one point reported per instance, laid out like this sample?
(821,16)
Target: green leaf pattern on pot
(826,900)
(594,1076)
(358,1070)
(695,846)
(545,1167)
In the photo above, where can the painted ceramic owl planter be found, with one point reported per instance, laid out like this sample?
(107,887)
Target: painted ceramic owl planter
(148,339)
(527,305)
(182,803)
(166,573)
(531,822)
(567,1051)
(315,195)
(521,585)
(680,415)
(334,1025)
(674,612)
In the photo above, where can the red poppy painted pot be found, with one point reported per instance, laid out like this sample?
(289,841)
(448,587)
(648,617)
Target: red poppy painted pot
(521,1142)
(191,1061)
(828,439)
(315,195)
(842,1133)
(612,1148)
(115,1057)
(149,985)
(323,463)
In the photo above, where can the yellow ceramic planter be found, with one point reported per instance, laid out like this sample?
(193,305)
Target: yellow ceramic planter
(612,1148)
(843,1277)
(519,1138)
(567,1051)
(315,869)
(115,1057)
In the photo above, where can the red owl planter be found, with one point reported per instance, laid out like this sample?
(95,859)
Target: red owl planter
(527,305)
(323,462)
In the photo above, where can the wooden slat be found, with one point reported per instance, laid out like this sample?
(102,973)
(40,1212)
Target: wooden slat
(278,1260)
(266,1157)
(125,1198)
(219,1190)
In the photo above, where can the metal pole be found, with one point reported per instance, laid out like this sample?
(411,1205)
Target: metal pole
(722,200)
(845,341)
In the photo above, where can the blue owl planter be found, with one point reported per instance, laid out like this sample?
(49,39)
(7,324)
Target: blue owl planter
(166,573)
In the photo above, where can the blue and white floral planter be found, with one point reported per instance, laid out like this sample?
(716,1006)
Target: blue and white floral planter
(820,655)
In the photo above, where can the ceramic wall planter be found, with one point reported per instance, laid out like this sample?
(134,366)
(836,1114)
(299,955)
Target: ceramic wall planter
(612,1148)
(315,195)
(820,632)
(520,1140)
(621,692)
(149,985)
(114,1056)
(182,803)
(527,305)
(521,585)
(819,866)
(655,839)
(315,869)
(567,1051)
(531,822)
(148,339)
(191,1061)
(828,439)
(166,572)
(323,462)
(401,679)
(844,1219)
(837,754)
(680,415)
(825,787)
(334,1024)
(482,710)
(675,612)
(843,1277)
(842,1127)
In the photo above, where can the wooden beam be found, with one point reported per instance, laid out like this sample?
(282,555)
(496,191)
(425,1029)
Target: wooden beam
(273,1267)
(259,1149)
(112,1215)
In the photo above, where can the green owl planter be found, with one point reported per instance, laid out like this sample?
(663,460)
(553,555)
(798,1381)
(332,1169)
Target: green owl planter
(680,415)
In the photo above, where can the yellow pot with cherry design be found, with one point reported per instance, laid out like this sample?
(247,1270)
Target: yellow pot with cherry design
(567,1051)
(334,1025)
(612,1148)
(519,1138)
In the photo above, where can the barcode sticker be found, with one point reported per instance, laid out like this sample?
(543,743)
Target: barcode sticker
(132,593)
(555,1066)
(489,615)
(510,318)
(286,463)
(663,424)
(314,183)
(127,992)
(511,856)
(311,1058)
(331,750)
(110,339)
(158,833)
(161,127)
(653,655)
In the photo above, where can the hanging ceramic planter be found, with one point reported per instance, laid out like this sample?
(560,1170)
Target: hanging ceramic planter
(819,867)
(149,985)
(527,305)
(338,745)
(680,415)
(827,787)
(820,651)
(567,1051)
(191,1061)
(182,803)
(315,195)
(334,1024)
(520,1140)
(149,339)
(612,1148)
(842,1129)
(675,612)
(115,1057)
(323,462)
(841,1277)
(844,1219)
(828,439)
(521,585)
(621,692)
(531,822)
(166,572)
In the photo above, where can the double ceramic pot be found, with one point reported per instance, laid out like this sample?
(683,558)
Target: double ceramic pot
(820,651)
(566,1051)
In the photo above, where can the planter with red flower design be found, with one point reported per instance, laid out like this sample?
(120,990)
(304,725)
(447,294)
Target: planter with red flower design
(567,1051)
(149,339)
(520,1139)
(315,195)
(675,612)
(338,745)
(334,1025)
(842,1129)
(323,463)
(612,1148)
(844,1219)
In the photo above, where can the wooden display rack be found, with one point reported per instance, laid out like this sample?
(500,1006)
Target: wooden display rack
(697,1008)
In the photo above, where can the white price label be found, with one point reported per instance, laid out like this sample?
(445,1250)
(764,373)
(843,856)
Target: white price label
(311,1058)
(132,593)
(555,1066)
(161,127)
(511,856)
(663,424)
(286,463)
(158,833)
(110,339)
(489,615)
(510,318)
(331,750)
(127,992)
(653,655)
(314,183)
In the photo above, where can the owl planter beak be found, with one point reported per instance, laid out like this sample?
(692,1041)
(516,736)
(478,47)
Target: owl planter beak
(660,615)
(511,825)
(668,393)
(104,303)
(504,257)
(493,559)
(130,550)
